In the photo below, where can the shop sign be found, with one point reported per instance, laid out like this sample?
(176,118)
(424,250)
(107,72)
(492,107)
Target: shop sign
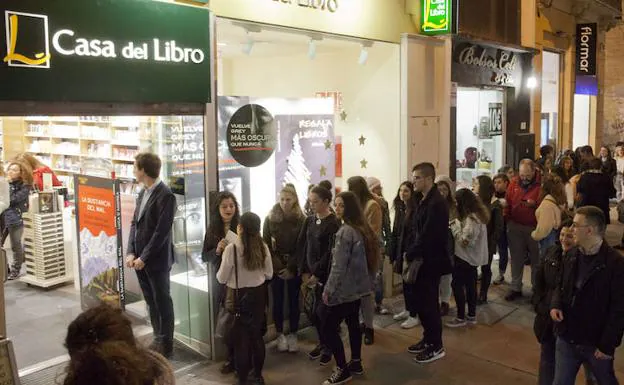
(495,119)
(586,49)
(251,135)
(321,5)
(436,17)
(493,66)
(139,51)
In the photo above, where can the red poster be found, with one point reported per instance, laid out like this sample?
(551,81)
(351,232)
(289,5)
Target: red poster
(338,156)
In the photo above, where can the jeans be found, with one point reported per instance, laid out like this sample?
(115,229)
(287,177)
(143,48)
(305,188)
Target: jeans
(546,375)
(249,348)
(619,181)
(15,234)
(503,252)
(409,297)
(155,287)
(549,241)
(333,317)
(465,288)
(282,288)
(445,288)
(486,278)
(427,305)
(521,245)
(569,359)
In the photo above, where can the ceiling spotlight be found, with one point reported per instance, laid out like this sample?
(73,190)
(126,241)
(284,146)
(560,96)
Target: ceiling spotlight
(532,82)
(364,53)
(312,49)
(248,46)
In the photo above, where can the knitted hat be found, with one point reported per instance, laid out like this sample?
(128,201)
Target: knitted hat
(373,182)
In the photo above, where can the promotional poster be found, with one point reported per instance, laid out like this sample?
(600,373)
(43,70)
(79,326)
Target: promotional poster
(99,251)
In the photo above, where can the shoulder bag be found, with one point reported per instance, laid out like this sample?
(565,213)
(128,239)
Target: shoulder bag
(410,269)
(230,311)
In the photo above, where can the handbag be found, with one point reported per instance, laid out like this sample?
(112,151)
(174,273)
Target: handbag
(410,270)
(230,311)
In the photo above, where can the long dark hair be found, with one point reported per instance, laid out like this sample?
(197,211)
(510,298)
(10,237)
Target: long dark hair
(468,204)
(359,187)
(354,217)
(217,226)
(486,189)
(254,249)
(103,351)
(397,200)
(553,186)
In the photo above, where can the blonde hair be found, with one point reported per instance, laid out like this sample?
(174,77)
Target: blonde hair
(29,159)
(288,189)
(25,171)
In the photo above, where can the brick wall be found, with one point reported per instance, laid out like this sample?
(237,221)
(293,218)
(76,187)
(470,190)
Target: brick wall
(613,106)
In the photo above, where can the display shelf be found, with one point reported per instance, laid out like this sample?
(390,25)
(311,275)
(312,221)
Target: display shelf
(65,170)
(125,160)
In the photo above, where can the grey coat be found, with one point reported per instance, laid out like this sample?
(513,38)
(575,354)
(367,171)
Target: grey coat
(348,278)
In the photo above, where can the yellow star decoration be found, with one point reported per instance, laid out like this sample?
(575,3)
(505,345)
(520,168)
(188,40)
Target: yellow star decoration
(328,144)
(363,163)
(323,171)
(343,116)
(362,140)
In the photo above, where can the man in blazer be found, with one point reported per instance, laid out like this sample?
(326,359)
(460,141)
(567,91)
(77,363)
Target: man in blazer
(150,249)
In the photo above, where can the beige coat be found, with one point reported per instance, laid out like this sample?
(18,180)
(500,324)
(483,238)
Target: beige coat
(374,216)
(548,216)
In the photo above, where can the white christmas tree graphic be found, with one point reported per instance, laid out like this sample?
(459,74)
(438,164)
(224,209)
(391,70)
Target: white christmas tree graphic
(297,172)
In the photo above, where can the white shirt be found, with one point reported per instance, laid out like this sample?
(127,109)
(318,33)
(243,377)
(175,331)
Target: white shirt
(246,278)
(147,195)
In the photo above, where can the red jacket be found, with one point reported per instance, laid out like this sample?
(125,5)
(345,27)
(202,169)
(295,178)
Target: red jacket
(517,210)
(38,177)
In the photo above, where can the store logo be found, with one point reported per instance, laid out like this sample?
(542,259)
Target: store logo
(329,5)
(585,39)
(27,40)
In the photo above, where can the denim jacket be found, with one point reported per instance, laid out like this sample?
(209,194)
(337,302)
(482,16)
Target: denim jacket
(348,279)
(19,193)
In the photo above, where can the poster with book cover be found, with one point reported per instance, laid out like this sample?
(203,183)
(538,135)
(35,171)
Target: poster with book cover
(99,241)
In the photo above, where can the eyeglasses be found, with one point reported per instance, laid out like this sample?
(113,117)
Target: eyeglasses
(576,225)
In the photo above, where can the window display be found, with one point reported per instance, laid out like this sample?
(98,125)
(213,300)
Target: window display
(480,130)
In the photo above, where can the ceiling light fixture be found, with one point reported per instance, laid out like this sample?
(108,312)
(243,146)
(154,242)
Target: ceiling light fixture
(312,49)
(364,52)
(248,46)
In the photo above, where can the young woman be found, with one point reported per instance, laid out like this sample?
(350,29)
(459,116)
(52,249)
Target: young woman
(619,178)
(483,186)
(595,188)
(245,268)
(315,241)
(565,171)
(471,250)
(548,213)
(400,206)
(374,217)
(501,182)
(444,184)
(103,351)
(356,253)
(281,229)
(38,169)
(20,183)
(224,218)
(609,165)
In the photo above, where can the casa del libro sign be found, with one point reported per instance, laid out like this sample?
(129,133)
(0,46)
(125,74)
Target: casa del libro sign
(501,63)
(320,5)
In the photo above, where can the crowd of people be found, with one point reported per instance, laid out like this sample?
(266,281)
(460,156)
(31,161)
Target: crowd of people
(550,215)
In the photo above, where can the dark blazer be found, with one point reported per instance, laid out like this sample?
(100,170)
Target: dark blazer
(594,314)
(150,234)
(426,233)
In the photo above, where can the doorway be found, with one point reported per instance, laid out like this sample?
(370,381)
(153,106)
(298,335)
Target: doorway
(551,90)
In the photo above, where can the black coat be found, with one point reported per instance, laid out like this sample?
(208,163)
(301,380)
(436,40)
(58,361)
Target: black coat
(315,243)
(594,314)
(547,280)
(609,167)
(397,230)
(281,233)
(19,194)
(595,189)
(150,234)
(426,233)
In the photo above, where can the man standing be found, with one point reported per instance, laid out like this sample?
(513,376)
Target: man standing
(426,239)
(150,251)
(588,307)
(522,201)
(501,183)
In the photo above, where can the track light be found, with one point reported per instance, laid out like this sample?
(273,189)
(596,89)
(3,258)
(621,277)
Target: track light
(248,46)
(312,49)
(364,53)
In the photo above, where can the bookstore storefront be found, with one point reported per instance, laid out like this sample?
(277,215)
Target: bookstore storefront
(84,92)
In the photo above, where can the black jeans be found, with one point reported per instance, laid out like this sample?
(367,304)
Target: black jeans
(486,277)
(332,318)
(155,287)
(427,306)
(503,251)
(291,288)
(409,296)
(318,321)
(249,349)
(465,288)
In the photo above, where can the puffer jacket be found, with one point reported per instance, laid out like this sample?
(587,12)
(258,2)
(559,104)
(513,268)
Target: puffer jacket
(547,280)
(19,193)
(348,278)
(280,233)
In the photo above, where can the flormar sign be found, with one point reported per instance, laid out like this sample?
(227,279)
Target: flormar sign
(138,51)
(503,64)
(322,5)
(586,49)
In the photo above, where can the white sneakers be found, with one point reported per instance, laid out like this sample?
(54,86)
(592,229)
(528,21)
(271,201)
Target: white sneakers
(402,316)
(410,322)
(287,343)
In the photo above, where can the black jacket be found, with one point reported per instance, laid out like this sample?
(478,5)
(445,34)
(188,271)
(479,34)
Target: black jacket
(594,314)
(426,233)
(19,194)
(397,230)
(595,189)
(315,244)
(150,234)
(495,226)
(281,233)
(609,167)
(547,280)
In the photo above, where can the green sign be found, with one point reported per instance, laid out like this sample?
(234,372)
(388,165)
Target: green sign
(436,17)
(104,51)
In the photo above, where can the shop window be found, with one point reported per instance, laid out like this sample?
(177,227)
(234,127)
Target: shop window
(480,131)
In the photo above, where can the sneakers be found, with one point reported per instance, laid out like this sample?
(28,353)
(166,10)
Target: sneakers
(430,354)
(293,343)
(482,300)
(500,280)
(381,310)
(325,359)
(444,309)
(456,323)
(410,322)
(282,344)
(13,275)
(340,376)
(472,320)
(513,295)
(355,367)
(369,336)
(418,348)
(228,368)
(402,316)
(316,353)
